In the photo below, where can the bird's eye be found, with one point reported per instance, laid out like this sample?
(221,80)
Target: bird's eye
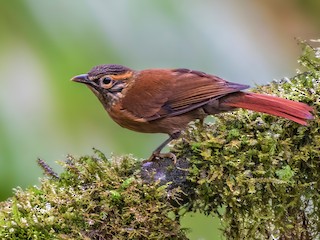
(106,82)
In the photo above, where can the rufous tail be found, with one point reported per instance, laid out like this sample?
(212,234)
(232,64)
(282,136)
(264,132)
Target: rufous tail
(295,111)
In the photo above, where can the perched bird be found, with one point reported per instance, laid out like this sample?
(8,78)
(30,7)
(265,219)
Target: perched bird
(166,100)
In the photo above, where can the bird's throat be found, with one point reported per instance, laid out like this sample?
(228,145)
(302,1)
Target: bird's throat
(108,97)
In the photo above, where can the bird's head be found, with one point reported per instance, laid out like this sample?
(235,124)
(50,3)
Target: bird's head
(106,81)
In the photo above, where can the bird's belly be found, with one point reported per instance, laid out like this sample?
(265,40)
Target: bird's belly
(167,125)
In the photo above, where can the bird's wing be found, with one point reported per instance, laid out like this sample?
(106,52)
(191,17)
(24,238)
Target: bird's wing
(163,93)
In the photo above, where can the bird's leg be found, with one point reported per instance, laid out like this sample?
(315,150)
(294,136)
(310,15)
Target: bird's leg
(157,152)
(201,122)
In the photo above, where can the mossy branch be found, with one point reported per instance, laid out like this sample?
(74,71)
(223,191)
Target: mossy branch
(260,174)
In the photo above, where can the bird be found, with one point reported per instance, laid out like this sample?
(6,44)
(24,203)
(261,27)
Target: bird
(167,100)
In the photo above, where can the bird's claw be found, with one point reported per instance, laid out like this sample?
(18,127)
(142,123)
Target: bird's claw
(156,155)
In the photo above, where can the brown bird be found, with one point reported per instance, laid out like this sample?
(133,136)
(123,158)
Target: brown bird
(166,100)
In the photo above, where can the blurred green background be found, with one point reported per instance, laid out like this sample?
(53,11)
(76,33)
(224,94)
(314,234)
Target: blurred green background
(44,43)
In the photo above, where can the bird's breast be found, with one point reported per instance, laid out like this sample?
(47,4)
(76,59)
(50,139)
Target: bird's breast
(167,125)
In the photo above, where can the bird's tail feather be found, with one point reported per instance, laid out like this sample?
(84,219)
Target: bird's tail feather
(295,111)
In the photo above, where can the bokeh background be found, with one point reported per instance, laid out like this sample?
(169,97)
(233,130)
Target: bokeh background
(44,43)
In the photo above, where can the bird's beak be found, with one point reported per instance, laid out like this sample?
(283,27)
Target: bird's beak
(82,78)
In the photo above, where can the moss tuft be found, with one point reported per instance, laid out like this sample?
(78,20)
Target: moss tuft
(94,198)
(263,171)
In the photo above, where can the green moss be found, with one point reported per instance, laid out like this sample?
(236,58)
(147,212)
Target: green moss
(258,173)
(94,198)
(263,169)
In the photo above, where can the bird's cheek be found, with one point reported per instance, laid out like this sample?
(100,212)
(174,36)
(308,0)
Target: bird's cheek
(95,91)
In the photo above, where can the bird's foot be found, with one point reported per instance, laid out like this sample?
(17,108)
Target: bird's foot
(157,155)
